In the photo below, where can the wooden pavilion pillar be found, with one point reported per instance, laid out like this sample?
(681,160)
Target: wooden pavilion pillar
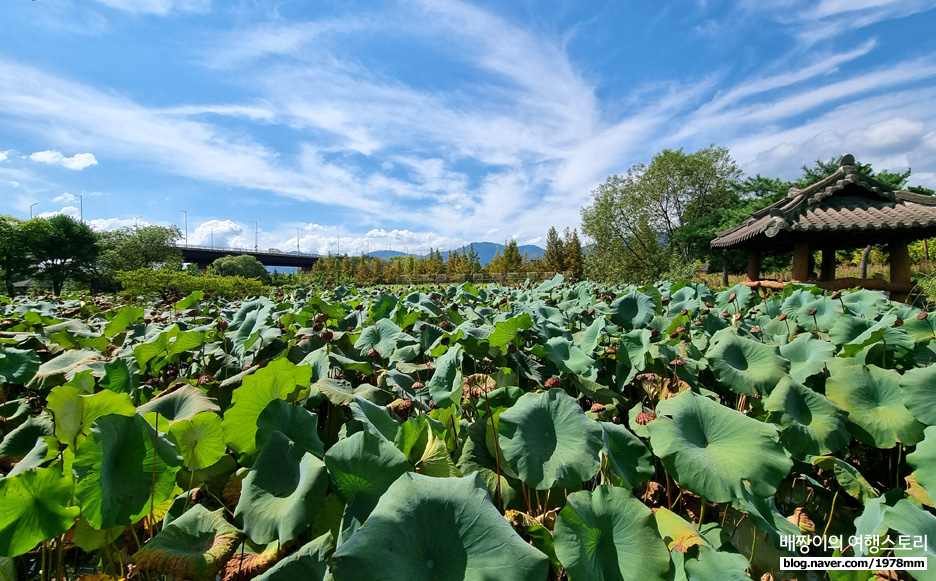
(827,270)
(753,265)
(899,267)
(800,262)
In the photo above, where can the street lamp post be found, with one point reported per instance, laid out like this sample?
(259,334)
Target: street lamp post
(256,235)
(136,223)
(81,207)
(297,241)
(186,226)
(30,210)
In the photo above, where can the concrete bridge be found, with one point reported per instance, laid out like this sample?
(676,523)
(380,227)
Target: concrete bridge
(205,255)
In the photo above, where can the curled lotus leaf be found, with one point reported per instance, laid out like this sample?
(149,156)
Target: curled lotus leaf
(609,534)
(807,355)
(17,365)
(874,402)
(181,403)
(744,365)
(923,460)
(547,440)
(707,447)
(918,386)
(194,546)
(809,423)
(712,565)
(426,528)
(34,506)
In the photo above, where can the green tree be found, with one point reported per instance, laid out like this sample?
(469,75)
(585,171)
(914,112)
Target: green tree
(510,261)
(636,219)
(243,265)
(63,248)
(143,247)
(554,255)
(574,256)
(15,263)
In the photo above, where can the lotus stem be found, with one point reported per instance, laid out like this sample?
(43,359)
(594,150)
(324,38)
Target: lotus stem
(897,472)
(725,516)
(702,511)
(487,405)
(831,512)
(669,493)
(152,519)
(539,505)
(753,544)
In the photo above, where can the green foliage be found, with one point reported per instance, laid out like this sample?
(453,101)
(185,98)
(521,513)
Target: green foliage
(164,283)
(144,247)
(554,253)
(63,248)
(245,266)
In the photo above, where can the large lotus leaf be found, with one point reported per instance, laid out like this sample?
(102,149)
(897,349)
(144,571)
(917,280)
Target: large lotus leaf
(54,371)
(874,403)
(547,439)
(384,337)
(341,392)
(477,458)
(507,331)
(628,457)
(848,477)
(743,295)
(918,386)
(75,413)
(707,447)
(634,310)
(34,506)
(567,357)
(282,493)
(124,469)
(828,311)
(362,467)
(746,366)
(910,521)
(17,365)
(193,546)
(807,355)
(921,330)
(376,419)
(923,460)
(122,318)
(678,533)
(199,440)
(121,375)
(446,383)
(867,304)
(609,534)
(182,403)
(278,380)
(765,516)
(22,440)
(712,565)
(427,528)
(295,422)
(809,423)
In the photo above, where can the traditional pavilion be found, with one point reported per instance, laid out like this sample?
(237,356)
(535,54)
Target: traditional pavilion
(845,210)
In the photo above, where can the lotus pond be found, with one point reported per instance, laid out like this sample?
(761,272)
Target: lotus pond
(562,431)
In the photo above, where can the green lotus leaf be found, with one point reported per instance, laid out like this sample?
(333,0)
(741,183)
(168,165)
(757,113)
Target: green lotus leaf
(199,440)
(807,355)
(282,493)
(446,384)
(874,402)
(743,295)
(609,534)
(908,520)
(18,365)
(124,469)
(628,457)
(427,528)
(827,313)
(122,318)
(633,310)
(22,440)
(34,506)
(764,514)
(921,330)
(362,467)
(867,304)
(707,447)
(341,392)
(376,419)
(809,423)
(54,371)
(194,546)
(712,565)
(506,332)
(476,458)
(923,460)
(744,365)
(295,422)
(278,380)
(547,439)
(918,386)
(121,375)
(75,413)
(567,357)
(848,477)
(182,403)
(678,533)
(384,337)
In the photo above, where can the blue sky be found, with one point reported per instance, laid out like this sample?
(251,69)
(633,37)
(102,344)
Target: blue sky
(419,123)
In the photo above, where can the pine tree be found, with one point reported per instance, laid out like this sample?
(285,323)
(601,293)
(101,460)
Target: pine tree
(574,256)
(554,255)
(513,262)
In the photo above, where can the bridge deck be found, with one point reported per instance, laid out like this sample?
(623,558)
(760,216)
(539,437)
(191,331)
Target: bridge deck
(205,255)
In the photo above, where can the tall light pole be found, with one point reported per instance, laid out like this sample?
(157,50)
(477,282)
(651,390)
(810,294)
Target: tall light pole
(256,235)
(297,241)
(30,210)
(186,226)
(136,223)
(81,207)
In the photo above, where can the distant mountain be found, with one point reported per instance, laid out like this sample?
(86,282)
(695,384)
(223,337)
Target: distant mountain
(485,250)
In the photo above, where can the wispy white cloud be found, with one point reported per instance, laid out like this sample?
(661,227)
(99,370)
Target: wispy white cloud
(158,7)
(77,162)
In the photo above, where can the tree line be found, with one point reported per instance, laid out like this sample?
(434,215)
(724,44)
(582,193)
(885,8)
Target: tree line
(656,221)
